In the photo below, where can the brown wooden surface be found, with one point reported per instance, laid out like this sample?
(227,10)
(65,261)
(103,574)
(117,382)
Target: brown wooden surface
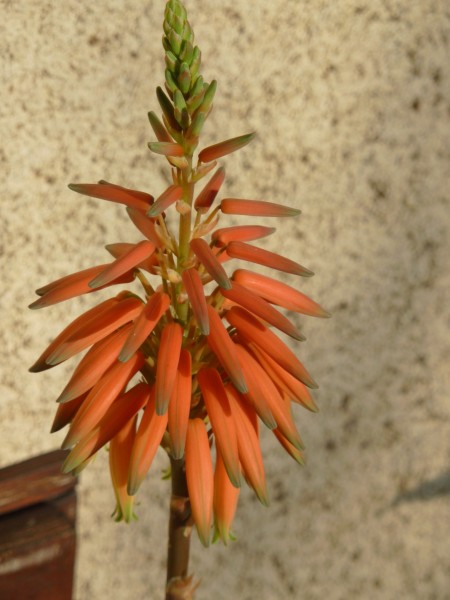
(34,480)
(37,530)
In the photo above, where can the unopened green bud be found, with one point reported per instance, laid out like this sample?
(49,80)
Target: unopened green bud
(158,128)
(178,100)
(178,9)
(178,24)
(171,61)
(184,78)
(167,108)
(188,34)
(196,95)
(187,51)
(208,97)
(166,44)
(197,88)
(170,83)
(166,25)
(196,60)
(197,125)
(181,113)
(175,41)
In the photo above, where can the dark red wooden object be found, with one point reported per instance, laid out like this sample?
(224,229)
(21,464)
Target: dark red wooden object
(37,530)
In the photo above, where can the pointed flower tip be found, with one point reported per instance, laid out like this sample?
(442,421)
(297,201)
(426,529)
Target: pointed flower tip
(263,496)
(298,336)
(241,386)
(166,148)
(125,356)
(161,406)
(63,398)
(68,465)
(204,538)
(133,486)
(39,303)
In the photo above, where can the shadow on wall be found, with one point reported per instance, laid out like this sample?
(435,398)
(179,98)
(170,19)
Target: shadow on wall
(428,490)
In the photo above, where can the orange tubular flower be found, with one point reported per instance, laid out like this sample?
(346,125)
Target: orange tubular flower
(225,501)
(186,359)
(209,192)
(180,405)
(120,448)
(199,475)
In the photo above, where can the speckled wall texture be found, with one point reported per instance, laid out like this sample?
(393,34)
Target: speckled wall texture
(351,102)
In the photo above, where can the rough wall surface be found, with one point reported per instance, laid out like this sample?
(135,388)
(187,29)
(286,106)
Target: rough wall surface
(351,100)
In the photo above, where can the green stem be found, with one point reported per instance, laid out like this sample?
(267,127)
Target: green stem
(185,230)
(185,219)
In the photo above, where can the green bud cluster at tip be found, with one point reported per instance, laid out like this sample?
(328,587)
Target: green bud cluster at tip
(189,98)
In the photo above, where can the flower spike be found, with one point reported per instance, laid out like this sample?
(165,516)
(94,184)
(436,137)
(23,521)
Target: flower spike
(188,359)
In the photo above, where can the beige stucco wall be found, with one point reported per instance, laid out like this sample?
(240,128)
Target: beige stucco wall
(351,101)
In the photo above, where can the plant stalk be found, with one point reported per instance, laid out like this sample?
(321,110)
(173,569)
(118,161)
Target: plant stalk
(179,585)
(185,230)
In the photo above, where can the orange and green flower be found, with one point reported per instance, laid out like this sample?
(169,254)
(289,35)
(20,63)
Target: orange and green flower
(195,359)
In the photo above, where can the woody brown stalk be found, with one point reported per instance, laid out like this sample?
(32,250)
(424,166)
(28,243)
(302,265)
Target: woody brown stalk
(180,525)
